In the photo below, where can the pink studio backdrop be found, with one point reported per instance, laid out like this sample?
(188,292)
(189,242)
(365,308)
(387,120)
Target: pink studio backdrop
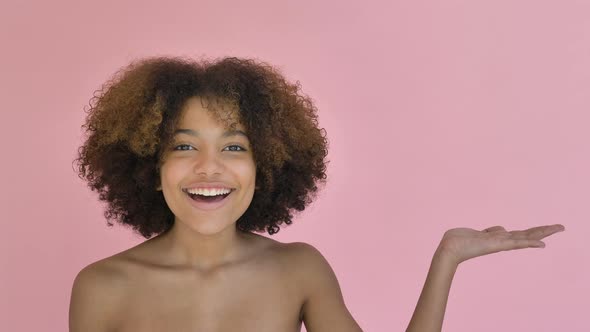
(440,114)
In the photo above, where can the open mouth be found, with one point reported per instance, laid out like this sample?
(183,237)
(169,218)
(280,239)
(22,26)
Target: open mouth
(208,199)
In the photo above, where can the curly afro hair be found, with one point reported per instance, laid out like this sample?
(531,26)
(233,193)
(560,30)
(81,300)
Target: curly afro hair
(132,118)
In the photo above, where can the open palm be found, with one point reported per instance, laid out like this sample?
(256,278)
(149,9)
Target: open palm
(462,244)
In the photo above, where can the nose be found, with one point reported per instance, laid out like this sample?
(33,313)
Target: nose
(208,162)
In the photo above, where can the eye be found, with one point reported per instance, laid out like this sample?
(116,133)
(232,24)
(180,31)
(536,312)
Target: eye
(236,146)
(187,147)
(182,145)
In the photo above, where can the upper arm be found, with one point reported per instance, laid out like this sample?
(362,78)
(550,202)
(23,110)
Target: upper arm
(92,302)
(324,308)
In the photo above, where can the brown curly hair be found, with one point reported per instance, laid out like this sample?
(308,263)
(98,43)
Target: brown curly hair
(131,120)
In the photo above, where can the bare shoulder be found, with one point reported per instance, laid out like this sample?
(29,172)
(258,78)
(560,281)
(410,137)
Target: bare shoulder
(308,265)
(299,263)
(95,296)
(307,258)
(324,308)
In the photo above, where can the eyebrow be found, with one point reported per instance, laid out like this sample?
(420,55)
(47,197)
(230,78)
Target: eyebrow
(225,134)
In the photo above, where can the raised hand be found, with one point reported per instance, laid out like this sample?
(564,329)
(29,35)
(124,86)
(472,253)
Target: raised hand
(456,246)
(461,244)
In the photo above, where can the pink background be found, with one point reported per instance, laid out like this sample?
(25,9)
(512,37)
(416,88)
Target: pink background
(440,114)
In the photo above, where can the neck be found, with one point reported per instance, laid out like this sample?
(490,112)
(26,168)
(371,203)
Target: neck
(187,247)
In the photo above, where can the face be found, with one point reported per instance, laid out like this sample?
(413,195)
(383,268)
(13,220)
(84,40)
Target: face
(206,154)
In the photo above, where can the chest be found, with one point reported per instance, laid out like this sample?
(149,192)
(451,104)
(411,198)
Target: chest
(260,298)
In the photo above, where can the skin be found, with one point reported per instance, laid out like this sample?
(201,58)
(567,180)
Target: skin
(206,239)
(457,246)
(205,275)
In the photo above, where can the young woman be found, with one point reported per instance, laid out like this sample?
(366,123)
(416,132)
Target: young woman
(197,157)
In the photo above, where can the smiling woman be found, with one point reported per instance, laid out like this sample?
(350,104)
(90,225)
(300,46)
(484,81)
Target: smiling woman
(203,155)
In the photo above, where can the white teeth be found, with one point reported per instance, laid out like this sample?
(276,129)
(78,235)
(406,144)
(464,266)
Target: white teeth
(208,192)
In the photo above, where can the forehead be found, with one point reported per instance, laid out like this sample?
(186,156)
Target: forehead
(202,111)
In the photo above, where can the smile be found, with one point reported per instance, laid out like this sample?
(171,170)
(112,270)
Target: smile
(208,201)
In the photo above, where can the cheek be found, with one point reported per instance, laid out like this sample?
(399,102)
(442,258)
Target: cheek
(246,171)
(171,174)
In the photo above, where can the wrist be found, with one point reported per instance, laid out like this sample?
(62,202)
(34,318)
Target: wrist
(444,257)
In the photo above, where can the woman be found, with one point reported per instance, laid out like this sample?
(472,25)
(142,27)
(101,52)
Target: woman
(202,155)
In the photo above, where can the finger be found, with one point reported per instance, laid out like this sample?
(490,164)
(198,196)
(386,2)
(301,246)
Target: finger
(522,244)
(537,233)
(494,229)
(550,230)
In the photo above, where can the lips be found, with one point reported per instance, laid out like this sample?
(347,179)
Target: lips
(212,203)
(208,185)
(208,199)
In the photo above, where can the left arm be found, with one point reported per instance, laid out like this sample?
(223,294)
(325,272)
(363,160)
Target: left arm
(432,303)
(459,245)
(324,309)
